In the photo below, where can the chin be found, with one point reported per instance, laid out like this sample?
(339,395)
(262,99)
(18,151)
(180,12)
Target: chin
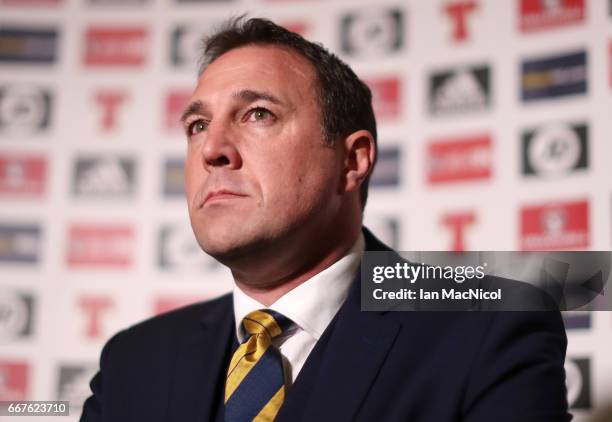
(227,245)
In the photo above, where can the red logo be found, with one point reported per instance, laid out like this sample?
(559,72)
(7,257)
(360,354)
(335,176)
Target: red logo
(385,97)
(109,102)
(115,46)
(167,304)
(176,101)
(553,226)
(542,14)
(461,159)
(458,12)
(98,246)
(94,308)
(22,174)
(457,223)
(13,381)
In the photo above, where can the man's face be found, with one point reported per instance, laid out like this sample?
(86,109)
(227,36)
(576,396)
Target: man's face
(258,172)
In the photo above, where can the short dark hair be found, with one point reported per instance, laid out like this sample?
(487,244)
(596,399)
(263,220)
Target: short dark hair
(344,100)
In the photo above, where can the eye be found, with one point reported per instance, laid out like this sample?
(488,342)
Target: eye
(258,114)
(196,127)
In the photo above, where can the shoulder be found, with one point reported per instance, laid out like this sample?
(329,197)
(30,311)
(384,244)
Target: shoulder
(498,359)
(162,331)
(484,324)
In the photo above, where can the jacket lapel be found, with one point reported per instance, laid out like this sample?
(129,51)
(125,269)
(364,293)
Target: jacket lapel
(357,346)
(200,366)
(342,367)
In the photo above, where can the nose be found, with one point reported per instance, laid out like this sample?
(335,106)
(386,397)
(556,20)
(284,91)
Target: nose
(220,149)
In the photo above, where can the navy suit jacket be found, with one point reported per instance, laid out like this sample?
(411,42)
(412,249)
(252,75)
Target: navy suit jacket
(367,366)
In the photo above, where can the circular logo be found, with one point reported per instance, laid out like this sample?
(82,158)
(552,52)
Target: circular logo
(13,315)
(373,33)
(554,150)
(23,109)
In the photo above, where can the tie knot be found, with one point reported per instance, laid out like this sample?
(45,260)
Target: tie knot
(266,321)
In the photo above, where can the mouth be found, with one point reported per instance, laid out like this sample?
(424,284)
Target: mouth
(220,195)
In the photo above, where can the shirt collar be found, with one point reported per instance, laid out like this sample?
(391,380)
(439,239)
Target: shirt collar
(313,304)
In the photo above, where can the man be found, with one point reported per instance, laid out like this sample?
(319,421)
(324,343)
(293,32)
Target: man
(281,142)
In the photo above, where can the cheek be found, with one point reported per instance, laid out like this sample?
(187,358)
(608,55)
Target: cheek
(193,177)
(276,180)
(299,181)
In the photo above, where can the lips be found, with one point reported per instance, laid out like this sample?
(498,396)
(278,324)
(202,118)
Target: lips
(219,195)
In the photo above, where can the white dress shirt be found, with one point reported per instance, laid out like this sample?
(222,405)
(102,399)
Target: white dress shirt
(311,306)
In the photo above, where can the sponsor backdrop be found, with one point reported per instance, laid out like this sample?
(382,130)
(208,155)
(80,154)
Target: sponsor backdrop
(495,134)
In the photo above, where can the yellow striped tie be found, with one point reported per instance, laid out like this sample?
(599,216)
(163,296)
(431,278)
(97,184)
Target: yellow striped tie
(255,384)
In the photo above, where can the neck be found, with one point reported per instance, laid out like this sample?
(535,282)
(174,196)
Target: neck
(283,272)
(267,295)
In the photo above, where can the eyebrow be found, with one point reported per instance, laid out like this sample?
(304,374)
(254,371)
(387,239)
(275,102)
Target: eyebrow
(249,95)
(246,95)
(195,107)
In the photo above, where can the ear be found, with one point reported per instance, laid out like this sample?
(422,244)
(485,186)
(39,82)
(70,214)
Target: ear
(360,150)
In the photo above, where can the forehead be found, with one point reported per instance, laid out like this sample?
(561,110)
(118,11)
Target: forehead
(259,67)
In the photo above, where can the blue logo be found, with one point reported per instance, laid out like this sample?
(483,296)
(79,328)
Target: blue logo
(19,243)
(174,180)
(387,170)
(28,45)
(556,76)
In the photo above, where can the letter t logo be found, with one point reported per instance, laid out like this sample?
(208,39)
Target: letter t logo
(457,222)
(109,103)
(458,12)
